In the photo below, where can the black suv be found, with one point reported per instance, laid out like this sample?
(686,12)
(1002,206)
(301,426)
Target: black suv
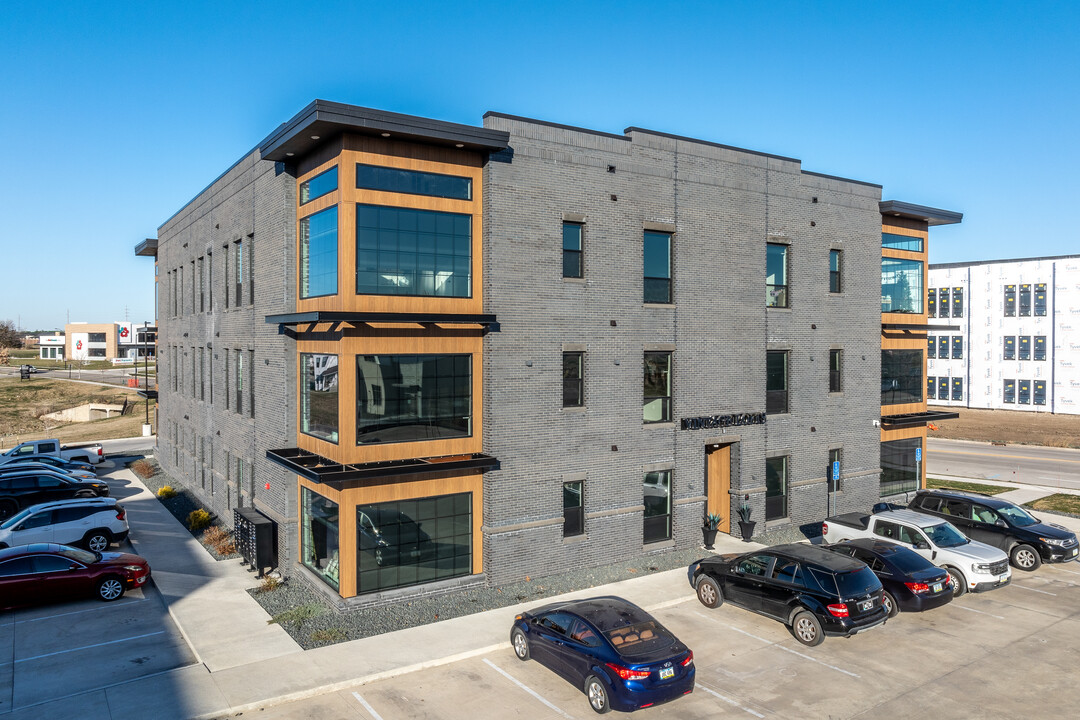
(23,489)
(811,590)
(1028,541)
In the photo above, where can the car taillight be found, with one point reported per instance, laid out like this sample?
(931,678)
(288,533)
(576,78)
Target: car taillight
(689,660)
(100,451)
(824,529)
(918,588)
(838,610)
(120,512)
(627,673)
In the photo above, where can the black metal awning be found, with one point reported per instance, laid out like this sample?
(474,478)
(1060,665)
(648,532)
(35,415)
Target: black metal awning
(322,470)
(915,419)
(151,394)
(917,326)
(314,317)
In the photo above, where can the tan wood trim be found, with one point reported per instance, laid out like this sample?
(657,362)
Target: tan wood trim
(719,485)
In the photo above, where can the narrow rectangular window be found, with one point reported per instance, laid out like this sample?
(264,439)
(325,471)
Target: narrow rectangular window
(1009,350)
(657,376)
(931,302)
(1039,396)
(238,264)
(943,347)
(1040,347)
(211,374)
(834,271)
(573,494)
(180,289)
(319,396)
(943,388)
(776,382)
(194,288)
(1010,301)
(227,278)
(202,373)
(901,242)
(194,373)
(943,302)
(572,236)
(657,500)
(657,265)
(573,388)
(202,285)
(1040,299)
(931,387)
(776,484)
(239,381)
(834,469)
(835,365)
(227,380)
(958,302)
(209,281)
(1008,393)
(1025,300)
(957,347)
(1025,347)
(1025,392)
(319,253)
(251,269)
(413,182)
(931,347)
(776,275)
(958,388)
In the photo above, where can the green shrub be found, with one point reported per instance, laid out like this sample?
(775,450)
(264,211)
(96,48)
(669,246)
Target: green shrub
(197,519)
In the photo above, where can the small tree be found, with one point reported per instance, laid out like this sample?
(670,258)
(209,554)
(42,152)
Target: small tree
(9,335)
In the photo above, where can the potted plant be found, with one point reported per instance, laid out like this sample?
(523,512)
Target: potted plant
(746,525)
(709,529)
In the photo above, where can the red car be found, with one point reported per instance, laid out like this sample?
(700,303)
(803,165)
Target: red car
(47,572)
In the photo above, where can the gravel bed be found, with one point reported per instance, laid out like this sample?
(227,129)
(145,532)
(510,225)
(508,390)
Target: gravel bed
(304,613)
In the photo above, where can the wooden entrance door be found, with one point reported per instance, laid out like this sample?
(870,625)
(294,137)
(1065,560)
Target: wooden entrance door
(718,485)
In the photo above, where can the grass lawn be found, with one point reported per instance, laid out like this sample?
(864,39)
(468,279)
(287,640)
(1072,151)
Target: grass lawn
(1057,502)
(970,487)
(23,402)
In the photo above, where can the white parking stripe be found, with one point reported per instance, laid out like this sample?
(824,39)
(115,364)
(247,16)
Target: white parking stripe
(525,687)
(961,607)
(1034,590)
(795,652)
(729,701)
(1071,572)
(76,612)
(85,647)
(371,710)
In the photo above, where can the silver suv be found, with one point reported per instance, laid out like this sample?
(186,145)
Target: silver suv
(92,523)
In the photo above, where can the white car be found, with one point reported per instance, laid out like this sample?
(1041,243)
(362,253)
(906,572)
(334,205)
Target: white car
(92,523)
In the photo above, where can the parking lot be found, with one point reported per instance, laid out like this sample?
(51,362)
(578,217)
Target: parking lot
(1006,653)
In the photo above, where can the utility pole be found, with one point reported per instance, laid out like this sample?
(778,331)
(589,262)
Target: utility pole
(146,376)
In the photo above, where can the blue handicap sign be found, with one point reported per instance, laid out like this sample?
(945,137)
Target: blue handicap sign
(836,470)
(918,454)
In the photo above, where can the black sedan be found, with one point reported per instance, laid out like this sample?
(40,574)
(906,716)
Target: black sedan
(23,489)
(612,650)
(911,582)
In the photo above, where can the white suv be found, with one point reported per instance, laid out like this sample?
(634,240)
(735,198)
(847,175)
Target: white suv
(92,523)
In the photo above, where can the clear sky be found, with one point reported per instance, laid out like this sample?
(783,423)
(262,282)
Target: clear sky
(115,114)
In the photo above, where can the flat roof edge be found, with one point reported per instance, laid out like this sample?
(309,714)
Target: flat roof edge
(841,179)
(698,141)
(932,216)
(560,126)
(934,266)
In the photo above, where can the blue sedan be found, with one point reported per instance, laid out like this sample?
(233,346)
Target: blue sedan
(611,649)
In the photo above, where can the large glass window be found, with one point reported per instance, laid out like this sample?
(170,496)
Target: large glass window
(1010,301)
(1009,350)
(958,302)
(413,182)
(406,398)
(1025,300)
(834,271)
(319,253)
(776,381)
(657,264)
(901,376)
(1040,298)
(319,535)
(409,542)
(836,361)
(776,484)
(573,384)
(573,508)
(899,470)
(1008,393)
(1025,347)
(318,186)
(657,497)
(572,236)
(776,275)
(902,286)
(901,242)
(319,396)
(1040,347)
(400,251)
(657,387)
(95,337)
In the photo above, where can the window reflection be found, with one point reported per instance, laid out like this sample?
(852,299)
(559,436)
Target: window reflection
(319,396)
(902,286)
(319,524)
(404,398)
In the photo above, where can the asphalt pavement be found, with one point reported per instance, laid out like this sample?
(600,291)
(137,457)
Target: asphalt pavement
(1027,464)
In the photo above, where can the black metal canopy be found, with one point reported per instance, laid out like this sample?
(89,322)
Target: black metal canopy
(915,419)
(322,470)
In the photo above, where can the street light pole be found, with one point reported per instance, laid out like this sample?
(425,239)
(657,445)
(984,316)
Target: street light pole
(146,370)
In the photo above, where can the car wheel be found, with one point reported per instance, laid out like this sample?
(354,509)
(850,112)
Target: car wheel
(807,629)
(110,588)
(1025,557)
(959,582)
(889,603)
(521,644)
(708,592)
(8,508)
(598,694)
(97,540)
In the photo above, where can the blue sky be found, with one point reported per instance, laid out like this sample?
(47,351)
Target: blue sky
(116,114)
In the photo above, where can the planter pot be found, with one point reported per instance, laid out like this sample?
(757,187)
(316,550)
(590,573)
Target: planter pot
(709,536)
(746,527)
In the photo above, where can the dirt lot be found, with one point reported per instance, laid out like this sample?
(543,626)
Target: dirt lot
(22,403)
(1023,428)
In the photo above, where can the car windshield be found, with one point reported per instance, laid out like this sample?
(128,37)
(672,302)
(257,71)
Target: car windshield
(857,582)
(640,638)
(945,535)
(82,556)
(16,518)
(1016,516)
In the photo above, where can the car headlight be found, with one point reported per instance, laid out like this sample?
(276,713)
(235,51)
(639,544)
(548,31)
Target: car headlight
(1053,541)
(980,567)
(134,568)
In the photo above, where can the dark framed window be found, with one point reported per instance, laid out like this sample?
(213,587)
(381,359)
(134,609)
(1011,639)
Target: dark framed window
(408,398)
(1010,301)
(1008,392)
(400,251)
(901,376)
(901,286)
(1009,350)
(836,361)
(957,347)
(209,281)
(323,183)
(251,384)
(899,470)
(573,503)
(834,470)
(943,388)
(901,242)
(1025,348)
(776,484)
(202,286)
(239,381)
(957,388)
(1040,298)
(931,347)
(573,236)
(931,302)
(1025,392)
(657,265)
(943,302)
(573,384)
(319,534)
(1025,300)
(95,337)
(776,275)
(319,254)
(835,257)
(657,386)
(957,302)
(319,396)
(656,491)
(238,266)
(1039,352)
(1039,395)
(943,347)
(931,387)
(410,542)
(776,381)
(413,182)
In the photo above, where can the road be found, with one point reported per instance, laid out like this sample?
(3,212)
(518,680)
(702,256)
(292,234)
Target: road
(1033,465)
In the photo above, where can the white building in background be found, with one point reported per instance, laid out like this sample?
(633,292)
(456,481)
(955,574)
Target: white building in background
(51,347)
(1017,342)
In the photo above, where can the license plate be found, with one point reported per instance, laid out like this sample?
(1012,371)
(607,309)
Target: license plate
(666,673)
(1073,553)
(1003,578)
(937,587)
(866,604)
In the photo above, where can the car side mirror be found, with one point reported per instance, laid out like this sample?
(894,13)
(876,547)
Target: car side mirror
(1000,523)
(922,545)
